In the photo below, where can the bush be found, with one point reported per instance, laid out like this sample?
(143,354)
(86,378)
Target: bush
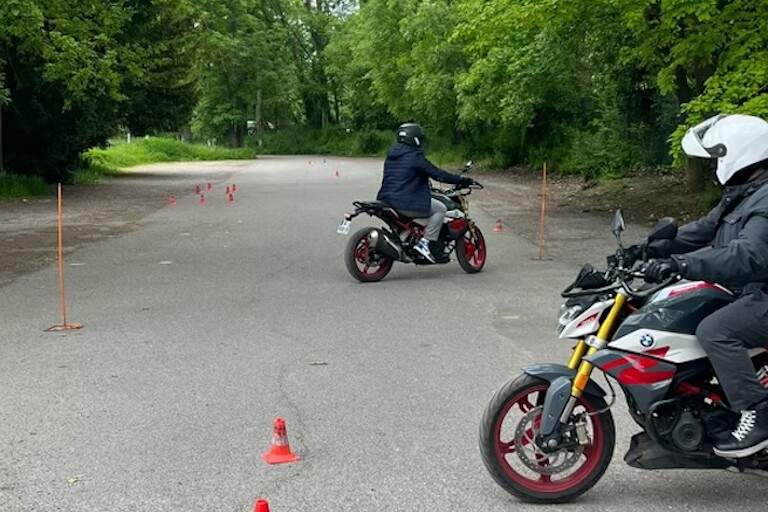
(12,186)
(152,150)
(327,141)
(372,142)
(120,154)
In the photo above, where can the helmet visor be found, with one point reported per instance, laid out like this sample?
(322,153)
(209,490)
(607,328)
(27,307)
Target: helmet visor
(693,141)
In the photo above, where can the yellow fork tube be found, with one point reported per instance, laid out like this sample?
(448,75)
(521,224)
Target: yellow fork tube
(578,352)
(585,368)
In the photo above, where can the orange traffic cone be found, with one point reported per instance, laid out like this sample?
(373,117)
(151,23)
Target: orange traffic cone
(172,201)
(497,228)
(197,189)
(202,200)
(234,188)
(227,191)
(261,506)
(336,174)
(210,187)
(230,199)
(280,451)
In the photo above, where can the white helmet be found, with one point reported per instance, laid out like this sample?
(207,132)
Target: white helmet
(737,141)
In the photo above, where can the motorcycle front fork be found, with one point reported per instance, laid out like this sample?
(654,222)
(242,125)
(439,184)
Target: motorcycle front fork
(586,348)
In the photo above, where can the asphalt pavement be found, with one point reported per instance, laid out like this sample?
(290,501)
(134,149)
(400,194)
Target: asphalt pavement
(209,322)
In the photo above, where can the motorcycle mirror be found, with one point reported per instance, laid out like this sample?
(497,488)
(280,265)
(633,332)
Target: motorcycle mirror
(618,223)
(665,229)
(468,165)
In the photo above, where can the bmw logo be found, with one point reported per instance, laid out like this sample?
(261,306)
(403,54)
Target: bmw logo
(647,340)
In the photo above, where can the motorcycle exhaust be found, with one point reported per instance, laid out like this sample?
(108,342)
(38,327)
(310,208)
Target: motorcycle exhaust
(384,244)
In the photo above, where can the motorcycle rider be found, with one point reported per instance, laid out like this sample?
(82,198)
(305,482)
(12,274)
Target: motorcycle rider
(405,186)
(735,234)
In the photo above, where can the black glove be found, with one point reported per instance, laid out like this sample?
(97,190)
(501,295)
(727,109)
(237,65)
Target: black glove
(658,249)
(465,182)
(659,271)
(636,251)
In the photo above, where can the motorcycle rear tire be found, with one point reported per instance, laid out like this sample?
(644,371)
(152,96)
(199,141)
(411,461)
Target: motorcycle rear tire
(542,491)
(358,255)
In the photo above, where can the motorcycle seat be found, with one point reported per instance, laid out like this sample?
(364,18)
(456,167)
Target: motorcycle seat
(381,205)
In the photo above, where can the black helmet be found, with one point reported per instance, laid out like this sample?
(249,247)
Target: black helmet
(411,134)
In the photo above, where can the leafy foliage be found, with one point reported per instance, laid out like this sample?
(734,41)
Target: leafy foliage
(594,87)
(120,154)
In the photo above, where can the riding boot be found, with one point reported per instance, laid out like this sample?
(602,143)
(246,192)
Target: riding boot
(437,248)
(749,437)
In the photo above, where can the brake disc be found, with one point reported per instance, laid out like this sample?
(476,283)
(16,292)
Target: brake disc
(536,460)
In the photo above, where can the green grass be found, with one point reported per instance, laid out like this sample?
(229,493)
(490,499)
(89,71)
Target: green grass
(120,155)
(16,187)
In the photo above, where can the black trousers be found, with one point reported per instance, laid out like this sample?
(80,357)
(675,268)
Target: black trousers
(725,336)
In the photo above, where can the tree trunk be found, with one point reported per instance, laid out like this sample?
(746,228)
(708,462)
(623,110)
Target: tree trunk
(257,118)
(336,106)
(240,131)
(186,133)
(695,174)
(1,138)
(233,136)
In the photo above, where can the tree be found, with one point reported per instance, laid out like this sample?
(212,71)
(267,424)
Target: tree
(242,52)
(160,92)
(75,70)
(711,55)
(63,72)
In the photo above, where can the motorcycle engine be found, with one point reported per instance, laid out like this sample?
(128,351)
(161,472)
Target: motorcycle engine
(688,432)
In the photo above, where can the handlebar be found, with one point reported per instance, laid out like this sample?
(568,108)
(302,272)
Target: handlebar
(621,281)
(456,187)
(649,291)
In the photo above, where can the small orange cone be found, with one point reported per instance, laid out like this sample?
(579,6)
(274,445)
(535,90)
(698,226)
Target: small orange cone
(197,189)
(336,174)
(498,228)
(280,451)
(230,199)
(227,191)
(202,200)
(261,506)
(234,188)
(172,201)
(210,187)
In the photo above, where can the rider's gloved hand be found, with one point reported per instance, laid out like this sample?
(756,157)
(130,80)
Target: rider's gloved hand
(637,251)
(652,249)
(658,249)
(465,182)
(659,271)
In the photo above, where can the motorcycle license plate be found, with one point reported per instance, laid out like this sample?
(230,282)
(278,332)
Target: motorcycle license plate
(344,226)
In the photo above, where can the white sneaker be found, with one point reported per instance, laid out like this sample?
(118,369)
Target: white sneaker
(423,247)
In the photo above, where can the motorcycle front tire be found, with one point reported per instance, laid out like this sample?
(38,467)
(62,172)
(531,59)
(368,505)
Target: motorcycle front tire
(495,450)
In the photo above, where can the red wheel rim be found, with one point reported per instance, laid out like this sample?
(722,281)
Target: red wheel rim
(506,449)
(371,267)
(474,248)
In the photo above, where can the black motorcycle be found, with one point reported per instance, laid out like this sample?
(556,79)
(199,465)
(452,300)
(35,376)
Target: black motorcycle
(371,251)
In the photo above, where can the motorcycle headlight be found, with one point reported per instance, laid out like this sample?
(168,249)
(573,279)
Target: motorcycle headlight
(567,314)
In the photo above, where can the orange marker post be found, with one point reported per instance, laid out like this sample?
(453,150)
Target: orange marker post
(63,325)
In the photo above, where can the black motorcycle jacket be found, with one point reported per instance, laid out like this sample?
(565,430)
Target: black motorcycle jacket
(736,231)
(405,184)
